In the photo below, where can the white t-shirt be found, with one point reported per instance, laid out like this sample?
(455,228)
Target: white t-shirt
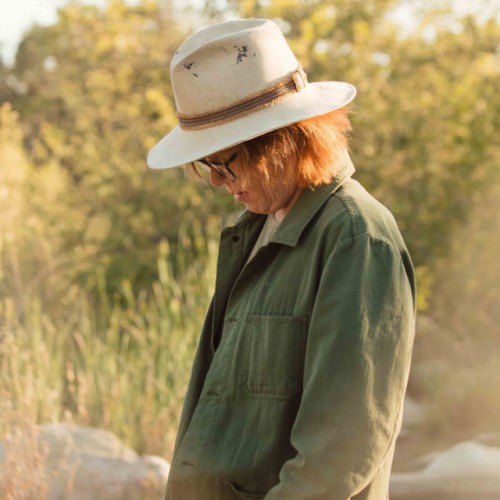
(268,229)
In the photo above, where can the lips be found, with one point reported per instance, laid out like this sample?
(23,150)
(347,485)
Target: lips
(241,196)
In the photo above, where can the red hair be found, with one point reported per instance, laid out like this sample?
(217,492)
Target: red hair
(308,151)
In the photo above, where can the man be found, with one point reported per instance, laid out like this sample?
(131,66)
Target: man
(299,378)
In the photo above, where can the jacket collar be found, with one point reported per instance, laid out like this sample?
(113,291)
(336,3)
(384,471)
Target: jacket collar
(304,209)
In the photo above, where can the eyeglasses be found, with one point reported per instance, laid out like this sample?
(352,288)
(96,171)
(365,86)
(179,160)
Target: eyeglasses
(222,167)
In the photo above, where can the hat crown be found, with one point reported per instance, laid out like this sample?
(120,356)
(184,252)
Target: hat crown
(226,62)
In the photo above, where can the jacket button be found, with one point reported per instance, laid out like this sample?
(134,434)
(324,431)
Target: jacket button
(236,238)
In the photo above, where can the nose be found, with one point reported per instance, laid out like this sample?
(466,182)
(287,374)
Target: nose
(217,179)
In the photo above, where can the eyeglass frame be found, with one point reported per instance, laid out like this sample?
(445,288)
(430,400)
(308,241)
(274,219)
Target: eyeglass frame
(222,168)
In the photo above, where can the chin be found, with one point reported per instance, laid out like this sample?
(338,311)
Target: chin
(256,210)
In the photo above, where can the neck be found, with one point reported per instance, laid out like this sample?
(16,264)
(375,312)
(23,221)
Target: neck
(280,214)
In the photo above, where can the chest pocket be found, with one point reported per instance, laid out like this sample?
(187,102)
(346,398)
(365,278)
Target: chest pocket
(274,351)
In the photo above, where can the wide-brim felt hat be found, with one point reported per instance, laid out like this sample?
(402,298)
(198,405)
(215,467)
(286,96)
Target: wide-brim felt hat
(234,81)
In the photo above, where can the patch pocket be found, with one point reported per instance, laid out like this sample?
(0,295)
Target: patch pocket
(274,355)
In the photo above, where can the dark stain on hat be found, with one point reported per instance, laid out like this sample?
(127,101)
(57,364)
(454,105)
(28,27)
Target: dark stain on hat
(195,74)
(242,52)
(188,65)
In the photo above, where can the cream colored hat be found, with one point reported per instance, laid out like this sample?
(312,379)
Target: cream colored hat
(234,81)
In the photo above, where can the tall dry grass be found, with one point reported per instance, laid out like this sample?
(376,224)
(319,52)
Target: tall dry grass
(122,365)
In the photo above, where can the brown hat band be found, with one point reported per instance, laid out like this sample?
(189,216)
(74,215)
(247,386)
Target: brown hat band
(293,82)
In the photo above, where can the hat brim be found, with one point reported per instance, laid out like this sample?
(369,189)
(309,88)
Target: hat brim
(180,146)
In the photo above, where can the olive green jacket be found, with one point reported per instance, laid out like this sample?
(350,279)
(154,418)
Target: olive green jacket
(298,381)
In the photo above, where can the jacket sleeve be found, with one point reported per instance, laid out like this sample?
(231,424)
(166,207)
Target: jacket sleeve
(355,373)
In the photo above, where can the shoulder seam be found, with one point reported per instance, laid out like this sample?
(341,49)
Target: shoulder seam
(374,238)
(350,211)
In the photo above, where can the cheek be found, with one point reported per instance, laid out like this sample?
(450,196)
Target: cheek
(264,182)
(262,190)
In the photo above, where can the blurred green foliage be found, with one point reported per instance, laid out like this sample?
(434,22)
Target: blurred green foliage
(85,224)
(93,95)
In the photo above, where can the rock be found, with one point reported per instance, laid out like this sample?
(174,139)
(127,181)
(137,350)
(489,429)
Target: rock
(115,478)
(64,438)
(82,463)
(466,459)
(467,471)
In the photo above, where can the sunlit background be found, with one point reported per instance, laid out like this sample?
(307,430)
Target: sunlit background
(107,267)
